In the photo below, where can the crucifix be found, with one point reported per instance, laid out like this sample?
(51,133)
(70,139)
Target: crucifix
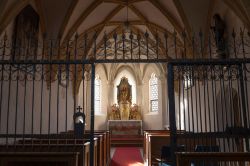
(79,108)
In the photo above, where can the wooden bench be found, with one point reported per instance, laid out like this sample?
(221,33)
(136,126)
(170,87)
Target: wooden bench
(57,142)
(154,144)
(155,140)
(47,145)
(186,158)
(103,149)
(146,140)
(98,147)
(105,146)
(82,149)
(36,158)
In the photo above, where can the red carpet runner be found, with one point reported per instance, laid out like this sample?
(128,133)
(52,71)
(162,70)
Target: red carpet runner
(127,156)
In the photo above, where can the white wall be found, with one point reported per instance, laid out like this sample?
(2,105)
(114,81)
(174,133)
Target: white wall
(100,118)
(153,120)
(139,76)
(44,104)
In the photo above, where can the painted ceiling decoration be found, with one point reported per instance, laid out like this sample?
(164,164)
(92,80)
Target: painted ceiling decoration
(63,18)
(99,23)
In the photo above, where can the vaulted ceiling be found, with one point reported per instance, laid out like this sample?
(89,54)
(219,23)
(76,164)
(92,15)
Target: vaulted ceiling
(64,18)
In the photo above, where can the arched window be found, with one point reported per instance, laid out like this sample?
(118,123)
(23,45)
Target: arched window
(97,95)
(153,93)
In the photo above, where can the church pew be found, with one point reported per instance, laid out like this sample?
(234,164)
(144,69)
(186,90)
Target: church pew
(100,148)
(154,143)
(42,158)
(106,145)
(145,139)
(103,143)
(61,141)
(82,149)
(105,153)
(154,140)
(212,158)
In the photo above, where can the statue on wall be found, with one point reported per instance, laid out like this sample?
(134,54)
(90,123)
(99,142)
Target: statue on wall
(219,35)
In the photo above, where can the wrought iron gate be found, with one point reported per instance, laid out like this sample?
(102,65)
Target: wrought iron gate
(208,99)
(208,105)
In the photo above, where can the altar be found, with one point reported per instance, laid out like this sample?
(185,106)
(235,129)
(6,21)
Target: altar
(125,127)
(125,120)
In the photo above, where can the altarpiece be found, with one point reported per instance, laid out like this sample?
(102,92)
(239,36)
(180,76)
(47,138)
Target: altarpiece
(124,118)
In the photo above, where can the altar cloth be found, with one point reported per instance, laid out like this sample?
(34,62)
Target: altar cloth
(125,127)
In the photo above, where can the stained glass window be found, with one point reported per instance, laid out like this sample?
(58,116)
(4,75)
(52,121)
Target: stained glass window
(153,93)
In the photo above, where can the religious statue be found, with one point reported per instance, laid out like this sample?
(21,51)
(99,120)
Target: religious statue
(124,110)
(114,113)
(124,98)
(135,113)
(124,91)
(218,31)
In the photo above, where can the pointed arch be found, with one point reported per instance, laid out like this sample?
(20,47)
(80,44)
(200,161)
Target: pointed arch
(14,10)
(26,30)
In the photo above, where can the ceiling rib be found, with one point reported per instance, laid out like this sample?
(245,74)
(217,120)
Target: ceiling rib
(238,12)
(41,16)
(138,13)
(11,13)
(135,22)
(168,15)
(2,7)
(67,17)
(241,9)
(112,14)
(123,2)
(107,19)
(81,19)
(209,17)
(144,19)
(183,16)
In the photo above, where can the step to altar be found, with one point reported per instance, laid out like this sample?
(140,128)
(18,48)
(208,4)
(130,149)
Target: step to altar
(127,140)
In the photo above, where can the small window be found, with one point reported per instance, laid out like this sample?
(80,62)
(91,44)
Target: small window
(97,95)
(153,82)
